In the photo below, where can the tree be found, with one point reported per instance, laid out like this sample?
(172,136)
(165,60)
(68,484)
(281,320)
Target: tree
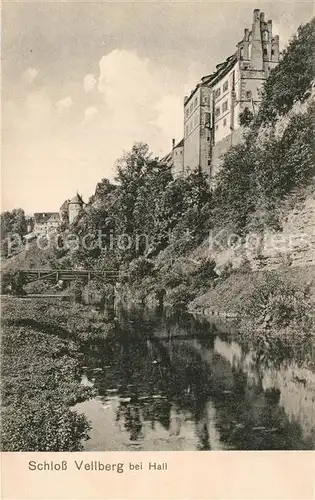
(13,223)
(291,80)
(246,117)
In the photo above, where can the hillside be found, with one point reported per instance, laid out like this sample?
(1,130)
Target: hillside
(31,257)
(176,240)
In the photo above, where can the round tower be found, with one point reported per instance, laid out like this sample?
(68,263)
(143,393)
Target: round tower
(75,205)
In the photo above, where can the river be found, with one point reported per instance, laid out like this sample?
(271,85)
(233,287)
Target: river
(174,382)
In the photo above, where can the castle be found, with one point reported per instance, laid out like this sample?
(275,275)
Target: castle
(213,108)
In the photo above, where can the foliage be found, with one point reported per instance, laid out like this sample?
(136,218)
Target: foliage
(16,282)
(41,373)
(138,216)
(38,427)
(139,269)
(180,296)
(13,223)
(257,175)
(290,81)
(246,117)
(276,304)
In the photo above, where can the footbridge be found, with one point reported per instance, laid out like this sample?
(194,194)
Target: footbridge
(56,275)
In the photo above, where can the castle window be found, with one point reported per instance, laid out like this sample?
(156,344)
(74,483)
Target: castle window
(217,111)
(272,52)
(248,94)
(225,86)
(265,36)
(224,106)
(209,162)
(265,52)
(224,122)
(217,93)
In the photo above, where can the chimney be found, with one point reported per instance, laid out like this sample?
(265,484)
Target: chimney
(173,143)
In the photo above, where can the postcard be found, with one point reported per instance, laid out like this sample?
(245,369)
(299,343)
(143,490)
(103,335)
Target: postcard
(158,250)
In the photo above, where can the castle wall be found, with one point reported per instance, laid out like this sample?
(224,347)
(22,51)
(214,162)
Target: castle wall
(197,134)
(178,161)
(221,147)
(224,105)
(74,210)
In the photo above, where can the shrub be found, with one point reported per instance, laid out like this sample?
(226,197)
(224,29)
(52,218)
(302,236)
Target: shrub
(16,283)
(179,297)
(276,304)
(139,268)
(40,426)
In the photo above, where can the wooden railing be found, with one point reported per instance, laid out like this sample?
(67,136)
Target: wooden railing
(30,275)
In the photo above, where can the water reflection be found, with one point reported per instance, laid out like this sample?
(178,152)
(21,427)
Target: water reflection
(172,382)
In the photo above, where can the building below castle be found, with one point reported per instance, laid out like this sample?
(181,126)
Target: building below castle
(212,110)
(45,223)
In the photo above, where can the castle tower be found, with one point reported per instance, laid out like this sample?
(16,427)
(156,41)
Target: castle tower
(256,52)
(75,206)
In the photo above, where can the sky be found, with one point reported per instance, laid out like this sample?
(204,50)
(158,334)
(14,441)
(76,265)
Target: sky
(83,80)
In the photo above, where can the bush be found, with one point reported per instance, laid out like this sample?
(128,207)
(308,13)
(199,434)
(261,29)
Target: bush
(179,297)
(276,304)
(16,282)
(40,426)
(139,268)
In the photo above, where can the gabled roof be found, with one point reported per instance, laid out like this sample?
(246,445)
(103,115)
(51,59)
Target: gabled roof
(43,217)
(64,205)
(222,69)
(180,144)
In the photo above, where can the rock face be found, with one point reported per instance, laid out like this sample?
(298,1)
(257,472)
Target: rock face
(294,245)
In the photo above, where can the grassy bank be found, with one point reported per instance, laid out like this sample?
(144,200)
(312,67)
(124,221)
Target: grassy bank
(275,309)
(42,354)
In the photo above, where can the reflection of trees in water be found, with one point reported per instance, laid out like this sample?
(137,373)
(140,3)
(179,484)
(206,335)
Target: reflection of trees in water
(134,413)
(250,418)
(142,366)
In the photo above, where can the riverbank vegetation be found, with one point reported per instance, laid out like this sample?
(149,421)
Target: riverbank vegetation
(43,345)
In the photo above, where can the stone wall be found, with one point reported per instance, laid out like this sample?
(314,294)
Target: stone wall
(221,147)
(294,245)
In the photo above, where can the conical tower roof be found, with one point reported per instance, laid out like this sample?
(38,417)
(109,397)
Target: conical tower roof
(77,199)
